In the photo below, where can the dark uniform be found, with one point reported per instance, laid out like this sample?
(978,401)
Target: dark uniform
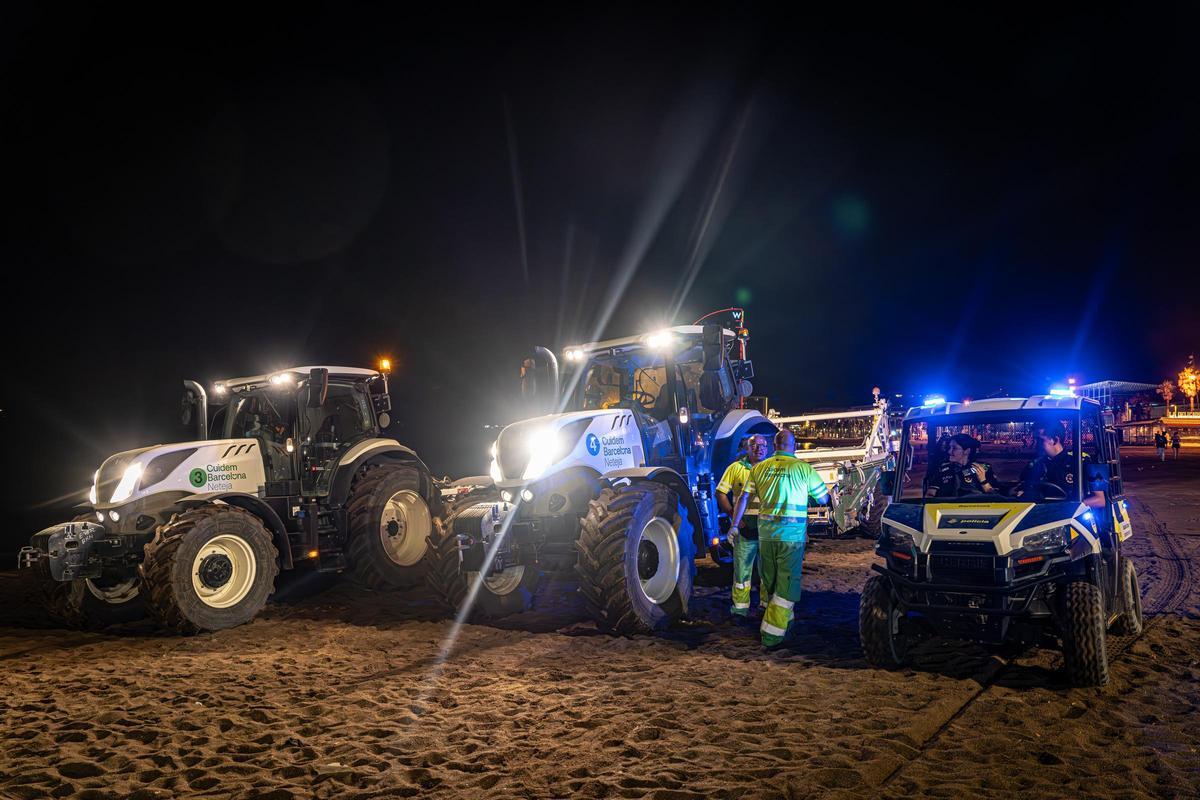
(1060,471)
(951,479)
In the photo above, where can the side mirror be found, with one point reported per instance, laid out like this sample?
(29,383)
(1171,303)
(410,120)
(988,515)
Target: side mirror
(318,387)
(887,481)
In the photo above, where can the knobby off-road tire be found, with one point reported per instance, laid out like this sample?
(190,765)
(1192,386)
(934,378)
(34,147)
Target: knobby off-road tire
(1129,622)
(390,522)
(880,629)
(1085,650)
(209,568)
(636,558)
(508,592)
(88,604)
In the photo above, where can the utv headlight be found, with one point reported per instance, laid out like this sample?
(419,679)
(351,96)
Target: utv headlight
(128,481)
(1052,539)
(898,539)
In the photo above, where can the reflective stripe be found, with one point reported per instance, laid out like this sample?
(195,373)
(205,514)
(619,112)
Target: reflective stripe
(782,520)
(776,600)
(771,629)
(745,585)
(741,605)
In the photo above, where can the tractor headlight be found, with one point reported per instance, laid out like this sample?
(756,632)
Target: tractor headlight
(1052,539)
(544,446)
(494,471)
(92,493)
(128,481)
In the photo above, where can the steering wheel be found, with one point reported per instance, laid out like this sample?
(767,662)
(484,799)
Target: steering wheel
(1050,491)
(644,399)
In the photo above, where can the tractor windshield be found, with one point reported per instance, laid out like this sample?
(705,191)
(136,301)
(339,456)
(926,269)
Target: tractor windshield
(638,379)
(946,459)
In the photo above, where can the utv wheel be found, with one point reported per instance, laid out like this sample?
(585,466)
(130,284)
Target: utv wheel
(509,591)
(1129,622)
(1085,651)
(390,525)
(636,558)
(208,569)
(880,623)
(91,603)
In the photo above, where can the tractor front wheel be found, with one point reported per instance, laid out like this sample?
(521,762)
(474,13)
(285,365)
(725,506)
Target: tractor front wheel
(478,597)
(89,603)
(209,568)
(636,558)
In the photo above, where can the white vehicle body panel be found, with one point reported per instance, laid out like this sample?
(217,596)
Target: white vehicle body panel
(987,522)
(221,465)
(610,442)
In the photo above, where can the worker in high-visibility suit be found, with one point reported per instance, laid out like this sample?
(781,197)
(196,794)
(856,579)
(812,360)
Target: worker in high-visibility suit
(783,485)
(744,538)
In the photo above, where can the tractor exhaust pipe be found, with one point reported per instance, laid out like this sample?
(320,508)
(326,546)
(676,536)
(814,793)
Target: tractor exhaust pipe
(529,378)
(195,400)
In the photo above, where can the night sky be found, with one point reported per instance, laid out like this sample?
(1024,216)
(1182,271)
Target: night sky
(955,204)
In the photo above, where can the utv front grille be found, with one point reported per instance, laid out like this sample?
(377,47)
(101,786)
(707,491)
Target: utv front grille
(962,569)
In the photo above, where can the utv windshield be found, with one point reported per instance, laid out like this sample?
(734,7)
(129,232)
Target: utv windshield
(990,457)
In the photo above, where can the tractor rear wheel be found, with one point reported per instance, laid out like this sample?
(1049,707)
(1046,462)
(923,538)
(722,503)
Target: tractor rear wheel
(89,603)
(209,568)
(636,558)
(508,591)
(390,524)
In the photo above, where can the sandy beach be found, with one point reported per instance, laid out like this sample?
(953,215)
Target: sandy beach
(339,692)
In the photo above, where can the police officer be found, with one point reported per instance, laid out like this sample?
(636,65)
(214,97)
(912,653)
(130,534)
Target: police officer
(783,485)
(960,473)
(744,538)
(1056,465)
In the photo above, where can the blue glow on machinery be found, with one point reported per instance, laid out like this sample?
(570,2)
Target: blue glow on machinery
(1059,391)
(934,400)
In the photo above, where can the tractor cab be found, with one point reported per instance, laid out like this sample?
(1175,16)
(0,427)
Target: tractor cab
(679,383)
(305,419)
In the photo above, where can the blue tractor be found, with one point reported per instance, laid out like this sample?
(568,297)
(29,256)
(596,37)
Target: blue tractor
(617,482)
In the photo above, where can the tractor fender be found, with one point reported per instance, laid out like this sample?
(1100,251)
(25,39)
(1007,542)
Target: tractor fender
(375,451)
(736,425)
(669,477)
(256,506)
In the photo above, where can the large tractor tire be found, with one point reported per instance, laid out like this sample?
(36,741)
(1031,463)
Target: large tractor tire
(209,568)
(390,523)
(636,558)
(1129,622)
(1085,649)
(881,625)
(89,603)
(475,598)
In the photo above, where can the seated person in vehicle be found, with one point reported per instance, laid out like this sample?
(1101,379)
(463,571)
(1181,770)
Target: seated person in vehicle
(960,474)
(1055,467)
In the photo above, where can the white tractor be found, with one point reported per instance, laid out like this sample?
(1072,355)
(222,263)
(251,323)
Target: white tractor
(195,533)
(618,483)
(850,450)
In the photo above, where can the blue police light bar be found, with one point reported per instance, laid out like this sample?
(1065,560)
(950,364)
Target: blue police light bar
(1059,392)
(934,400)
